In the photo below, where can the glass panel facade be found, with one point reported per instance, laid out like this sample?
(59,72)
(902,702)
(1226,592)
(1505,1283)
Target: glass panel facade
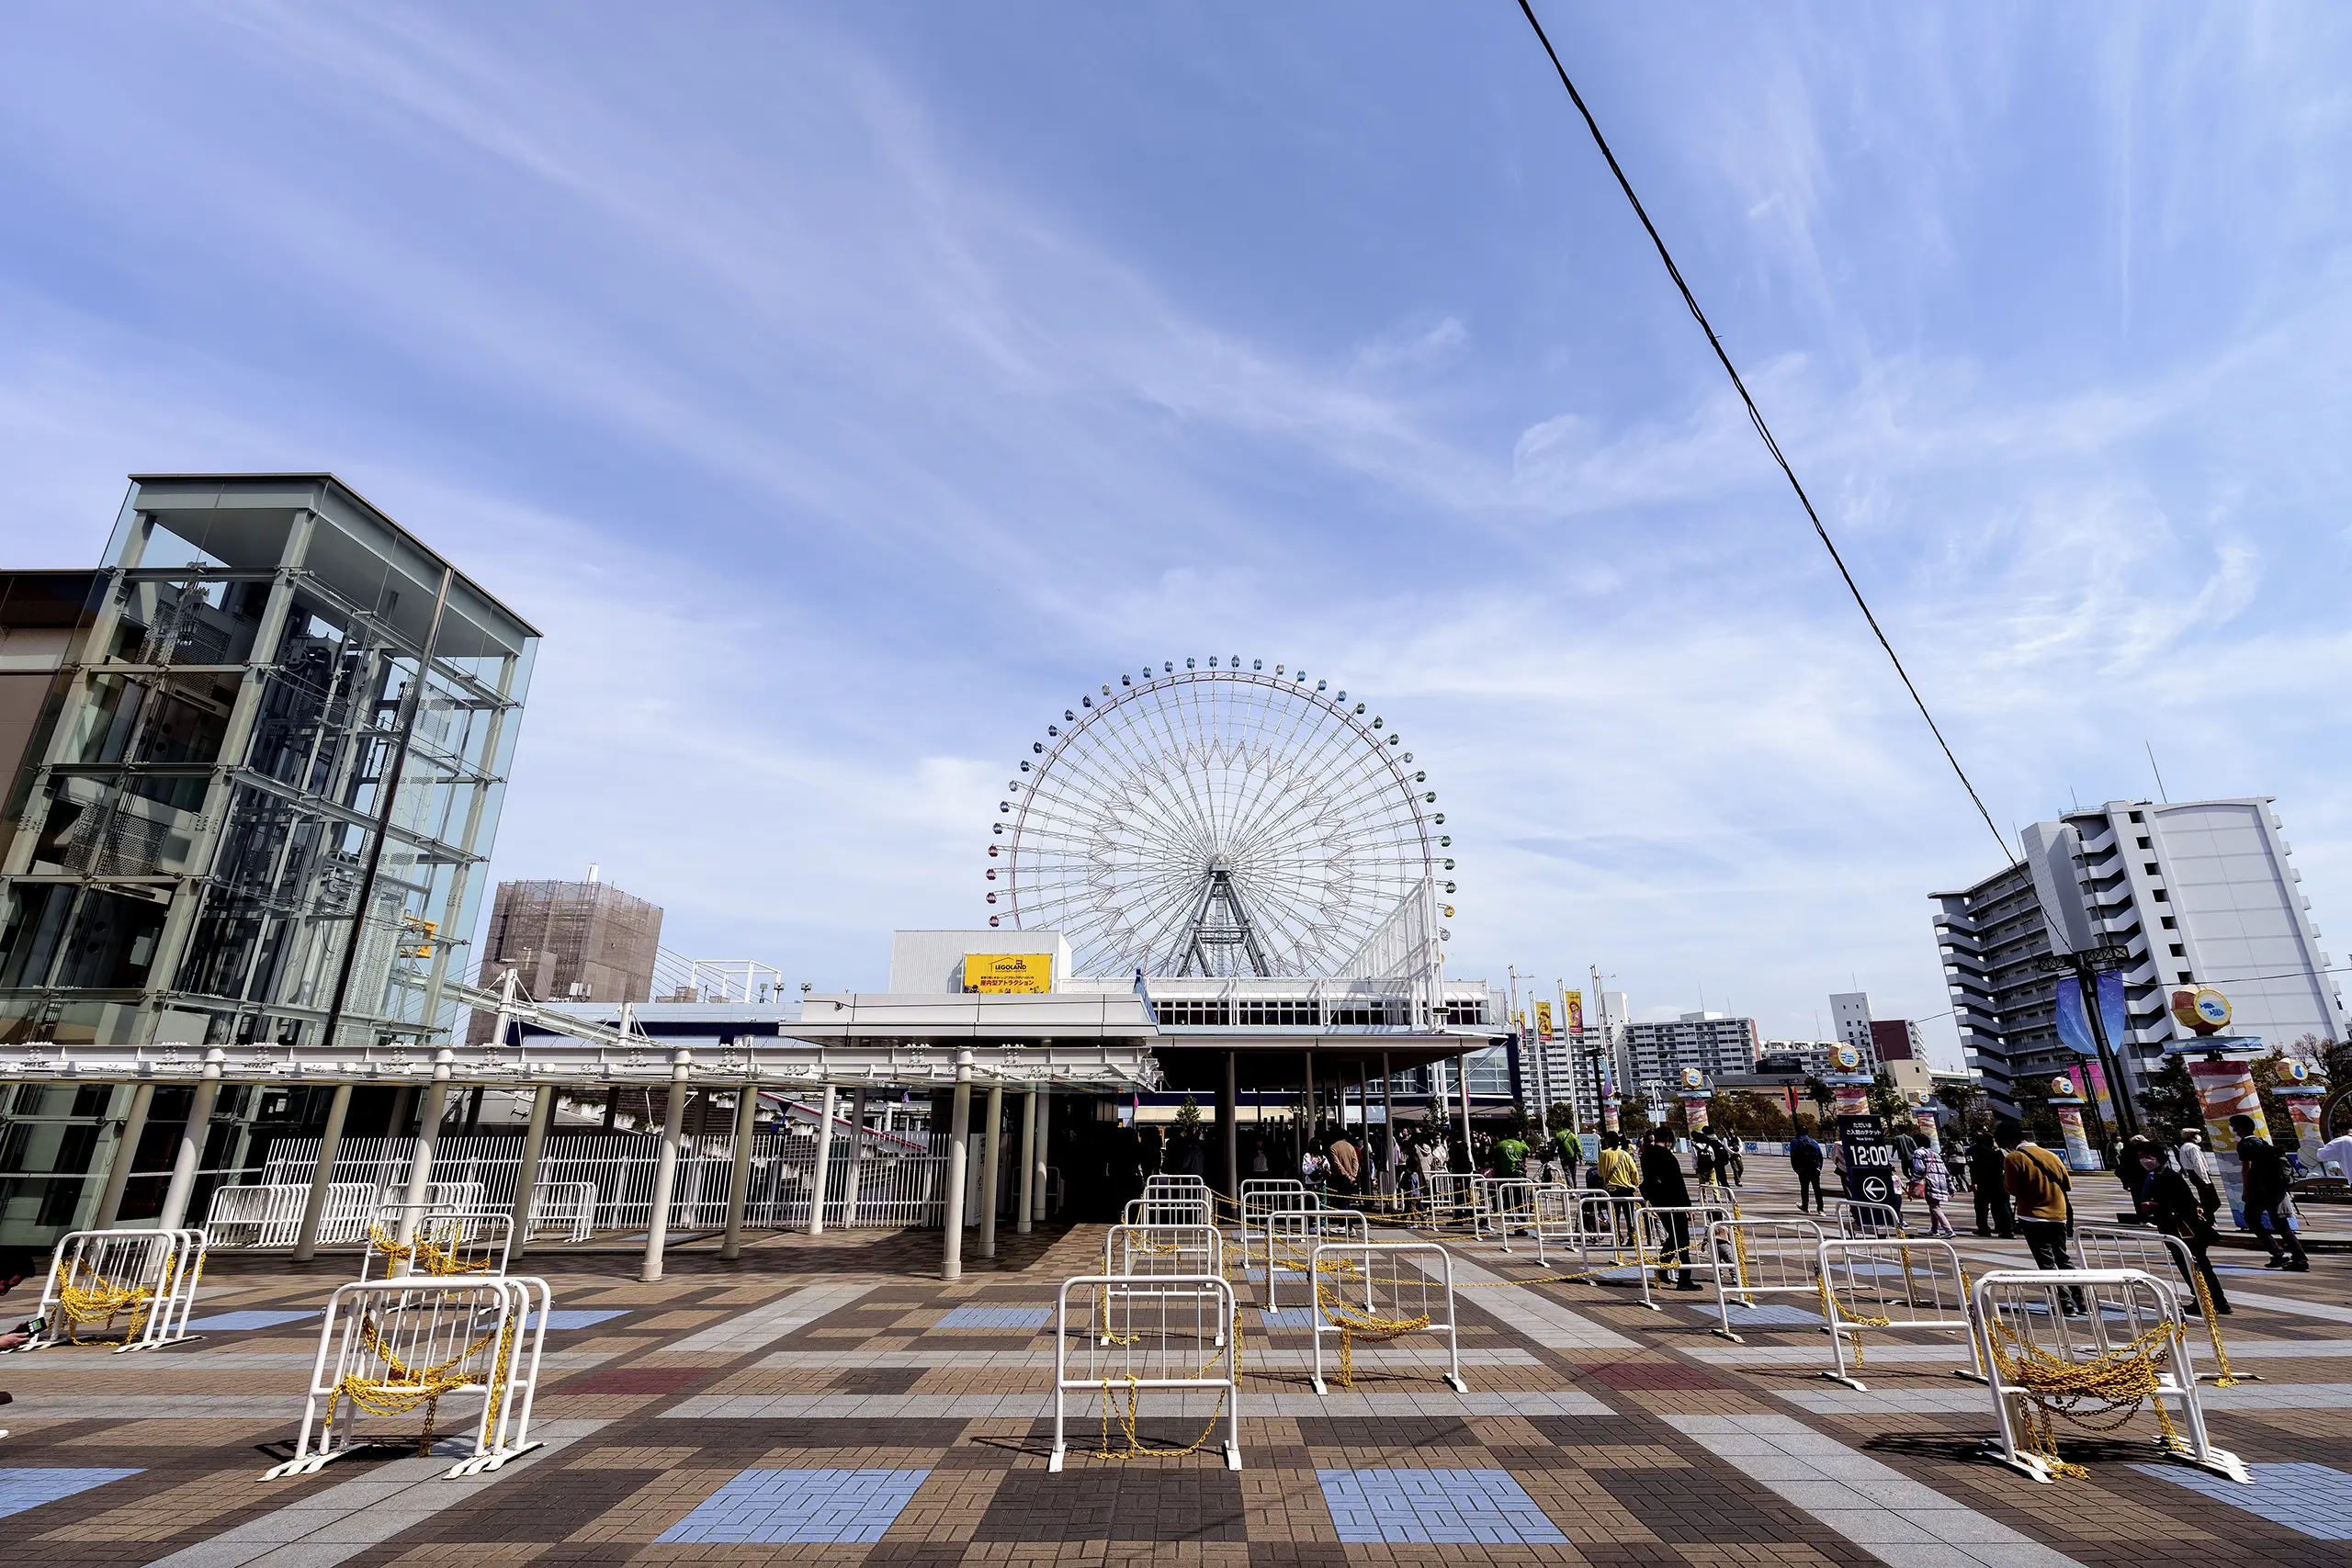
(192,850)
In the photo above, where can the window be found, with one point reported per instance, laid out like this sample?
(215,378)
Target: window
(2137,818)
(2150,868)
(2168,922)
(2184,978)
(2179,951)
(2143,843)
(2163,897)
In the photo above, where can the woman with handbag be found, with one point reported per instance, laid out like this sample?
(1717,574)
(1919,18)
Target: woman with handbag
(1931,1179)
(2176,1209)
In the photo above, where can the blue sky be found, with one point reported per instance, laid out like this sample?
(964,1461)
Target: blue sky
(845,388)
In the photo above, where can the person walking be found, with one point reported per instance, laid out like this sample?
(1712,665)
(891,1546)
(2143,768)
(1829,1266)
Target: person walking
(1571,1154)
(1935,1185)
(1703,1158)
(1663,1187)
(1735,1160)
(2269,1213)
(1804,1158)
(2175,1208)
(2038,1184)
(1994,1216)
(2195,1160)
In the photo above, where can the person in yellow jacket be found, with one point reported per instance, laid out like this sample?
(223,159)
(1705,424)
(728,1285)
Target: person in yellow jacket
(2038,1186)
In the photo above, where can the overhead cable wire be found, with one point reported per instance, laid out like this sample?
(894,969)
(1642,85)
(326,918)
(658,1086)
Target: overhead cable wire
(1756,417)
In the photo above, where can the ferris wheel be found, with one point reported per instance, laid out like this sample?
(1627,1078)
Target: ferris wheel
(1217,821)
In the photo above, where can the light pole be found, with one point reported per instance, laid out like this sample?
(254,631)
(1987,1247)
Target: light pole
(2084,967)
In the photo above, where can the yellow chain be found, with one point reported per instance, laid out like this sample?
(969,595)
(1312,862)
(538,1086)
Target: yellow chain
(2117,1381)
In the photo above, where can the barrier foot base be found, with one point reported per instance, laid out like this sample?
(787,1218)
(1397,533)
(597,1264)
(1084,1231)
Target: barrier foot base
(1727,1334)
(307,1464)
(2235,1376)
(483,1463)
(1966,1376)
(2025,1464)
(1233,1456)
(2221,1461)
(1855,1384)
(1319,1387)
(159,1344)
(1054,1460)
(1453,1380)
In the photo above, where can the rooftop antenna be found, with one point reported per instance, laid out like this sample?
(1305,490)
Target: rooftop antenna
(593,869)
(2158,772)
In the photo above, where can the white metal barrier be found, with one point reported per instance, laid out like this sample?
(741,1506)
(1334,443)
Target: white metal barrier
(148,1277)
(1446,1199)
(1260,1197)
(2151,1252)
(1901,1283)
(1719,1195)
(1769,1257)
(568,1207)
(1860,1221)
(1675,1239)
(1186,1185)
(2137,1349)
(1131,1334)
(1130,1250)
(392,1348)
(1382,1290)
(1160,1208)
(1292,1235)
(436,1240)
(1499,1204)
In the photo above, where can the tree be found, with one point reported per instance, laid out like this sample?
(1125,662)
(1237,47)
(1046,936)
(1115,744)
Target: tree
(1819,1093)
(2168,1101)
(1560,1118)
(2032,1097)
(1187,1127)
(1634,1120)
(1887,1102)
(1962,1097)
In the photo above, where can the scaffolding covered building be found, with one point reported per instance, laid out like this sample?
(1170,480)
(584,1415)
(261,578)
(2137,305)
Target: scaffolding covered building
(570,941)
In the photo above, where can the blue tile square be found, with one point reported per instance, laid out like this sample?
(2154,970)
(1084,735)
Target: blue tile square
(1288,1317)
(1765,1315)
(996,1317)
(2314,1499)
(804,1506)
(239,1322)
(1462,1506)
(23,1489)
(582,1317)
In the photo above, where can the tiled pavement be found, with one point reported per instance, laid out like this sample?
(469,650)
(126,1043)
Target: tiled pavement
(865,1414)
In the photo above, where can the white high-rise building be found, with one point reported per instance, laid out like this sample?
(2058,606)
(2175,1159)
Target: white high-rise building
(2195,892)
(1850,1011)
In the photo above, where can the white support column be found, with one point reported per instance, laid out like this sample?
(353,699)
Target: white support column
(665,1173)
(959,1133)
(1390,1164)
(1021,1210)
(526,1177)
(1044,1114)
(314,1207)
(818,1172)
(428,1138)
(856,1157)
(126,1149)
(991,1157)
(1462,1077)
(739,1181)
(192,1138)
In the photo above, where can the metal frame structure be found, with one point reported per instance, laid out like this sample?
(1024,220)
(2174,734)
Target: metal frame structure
(2029,1307)
(1308,1227)
(152,1273)
(1861,1220)
(1139,1333)
(420,1328)
(1220,821)
(2151,1251)
(1652,1225)
(1934,1295)
(1772,1257)
(1396,1278)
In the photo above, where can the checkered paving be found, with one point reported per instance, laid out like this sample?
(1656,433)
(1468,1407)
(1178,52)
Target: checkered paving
(802,1507)
(997,1317)
(829,1400)
(23,1489)
(1438,1506)
(2310,1499)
